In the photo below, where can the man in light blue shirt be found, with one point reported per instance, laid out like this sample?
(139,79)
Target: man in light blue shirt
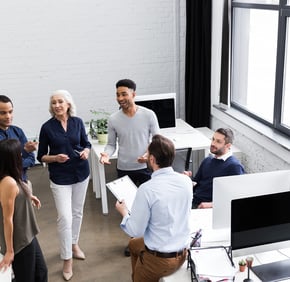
(159,219)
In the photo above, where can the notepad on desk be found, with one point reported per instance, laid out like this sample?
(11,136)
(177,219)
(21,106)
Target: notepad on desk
(123,189)
(213,263)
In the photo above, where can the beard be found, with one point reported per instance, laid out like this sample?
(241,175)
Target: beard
(217,152)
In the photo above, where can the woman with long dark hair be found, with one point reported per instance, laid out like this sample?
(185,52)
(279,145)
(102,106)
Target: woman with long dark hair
(18,226)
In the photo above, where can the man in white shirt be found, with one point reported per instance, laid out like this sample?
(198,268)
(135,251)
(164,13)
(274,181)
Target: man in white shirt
(159,219)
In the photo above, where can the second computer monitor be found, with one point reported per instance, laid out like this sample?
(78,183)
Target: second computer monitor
(227,188)
(164,106)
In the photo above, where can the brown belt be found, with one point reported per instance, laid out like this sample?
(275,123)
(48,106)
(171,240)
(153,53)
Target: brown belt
(165,255)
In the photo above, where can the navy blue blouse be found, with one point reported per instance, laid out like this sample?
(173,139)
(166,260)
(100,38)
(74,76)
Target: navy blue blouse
(54,140)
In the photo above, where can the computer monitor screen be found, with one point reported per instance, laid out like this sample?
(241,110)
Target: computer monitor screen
(227,188)
(164,106)
(262,221)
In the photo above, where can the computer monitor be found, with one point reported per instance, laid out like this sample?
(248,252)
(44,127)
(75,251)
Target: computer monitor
(259,224)
(164,106)
(227,188)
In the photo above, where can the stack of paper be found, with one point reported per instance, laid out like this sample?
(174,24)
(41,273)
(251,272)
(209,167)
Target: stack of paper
(213,263)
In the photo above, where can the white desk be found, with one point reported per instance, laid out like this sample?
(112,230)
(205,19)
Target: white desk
(202,218)
(183,136)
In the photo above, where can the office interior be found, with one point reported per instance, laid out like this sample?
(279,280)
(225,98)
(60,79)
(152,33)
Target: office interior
(85,47)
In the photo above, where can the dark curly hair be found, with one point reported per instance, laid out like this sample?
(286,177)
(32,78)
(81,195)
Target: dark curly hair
(126,83)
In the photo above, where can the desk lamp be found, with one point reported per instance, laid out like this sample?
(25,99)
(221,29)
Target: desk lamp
(249,261)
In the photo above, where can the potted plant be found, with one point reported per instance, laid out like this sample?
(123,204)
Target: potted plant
(99,126)
(242,265)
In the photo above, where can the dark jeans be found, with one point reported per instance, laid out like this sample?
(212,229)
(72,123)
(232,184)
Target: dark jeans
(137,176)
(29,264)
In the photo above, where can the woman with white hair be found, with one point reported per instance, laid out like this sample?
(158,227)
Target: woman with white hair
(64,146)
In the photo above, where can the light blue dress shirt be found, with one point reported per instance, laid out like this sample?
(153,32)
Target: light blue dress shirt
(161,211)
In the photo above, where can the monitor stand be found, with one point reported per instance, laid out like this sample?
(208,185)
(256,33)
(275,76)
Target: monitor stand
(274,271)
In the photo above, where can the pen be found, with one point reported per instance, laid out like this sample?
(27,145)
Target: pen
(194,241)
(195,238)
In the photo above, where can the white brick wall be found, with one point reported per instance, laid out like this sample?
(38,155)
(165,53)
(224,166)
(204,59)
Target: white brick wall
(85,46)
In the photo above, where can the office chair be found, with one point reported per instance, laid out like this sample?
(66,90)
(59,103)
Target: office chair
(182,159)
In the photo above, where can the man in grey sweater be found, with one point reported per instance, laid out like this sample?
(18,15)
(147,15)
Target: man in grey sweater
(131,128)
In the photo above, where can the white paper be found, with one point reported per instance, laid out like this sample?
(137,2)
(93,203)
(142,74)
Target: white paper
(123,189)
(213,262)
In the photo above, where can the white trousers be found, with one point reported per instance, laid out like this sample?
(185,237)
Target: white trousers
(69,201)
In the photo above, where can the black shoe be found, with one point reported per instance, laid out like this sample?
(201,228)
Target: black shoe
(127,252)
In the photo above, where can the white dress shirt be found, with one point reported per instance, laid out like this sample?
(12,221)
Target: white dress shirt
(161,211)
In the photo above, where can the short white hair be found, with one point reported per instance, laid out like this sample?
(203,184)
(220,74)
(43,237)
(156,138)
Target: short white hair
(68,98)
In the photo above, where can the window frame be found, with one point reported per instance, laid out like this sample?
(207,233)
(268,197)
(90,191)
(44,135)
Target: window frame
(284,14)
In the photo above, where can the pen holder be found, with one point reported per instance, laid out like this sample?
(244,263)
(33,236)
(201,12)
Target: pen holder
(196,240)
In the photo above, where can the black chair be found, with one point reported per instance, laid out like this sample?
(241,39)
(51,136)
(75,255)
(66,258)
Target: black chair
(182,159)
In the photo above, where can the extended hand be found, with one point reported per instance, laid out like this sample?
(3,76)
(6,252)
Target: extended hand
(30,146)
(105,159)
(143,159)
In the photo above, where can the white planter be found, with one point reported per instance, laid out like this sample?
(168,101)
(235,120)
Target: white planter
(102,138)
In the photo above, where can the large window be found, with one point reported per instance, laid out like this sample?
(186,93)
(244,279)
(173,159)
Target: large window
(260,72)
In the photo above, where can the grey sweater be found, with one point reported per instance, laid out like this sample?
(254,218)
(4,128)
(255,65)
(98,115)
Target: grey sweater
(131,135)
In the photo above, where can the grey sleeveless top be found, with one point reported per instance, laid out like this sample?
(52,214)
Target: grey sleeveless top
(25,227)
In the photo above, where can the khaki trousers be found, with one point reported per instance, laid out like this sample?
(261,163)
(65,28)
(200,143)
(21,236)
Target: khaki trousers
(147,267)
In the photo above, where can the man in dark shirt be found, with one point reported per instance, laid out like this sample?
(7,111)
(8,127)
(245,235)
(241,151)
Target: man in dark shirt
(221,162)
(9,131)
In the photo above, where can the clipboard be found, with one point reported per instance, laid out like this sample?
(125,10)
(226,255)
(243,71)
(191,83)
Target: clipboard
(123,189)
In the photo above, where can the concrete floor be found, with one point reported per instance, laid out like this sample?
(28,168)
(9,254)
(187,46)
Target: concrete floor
(101,238)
